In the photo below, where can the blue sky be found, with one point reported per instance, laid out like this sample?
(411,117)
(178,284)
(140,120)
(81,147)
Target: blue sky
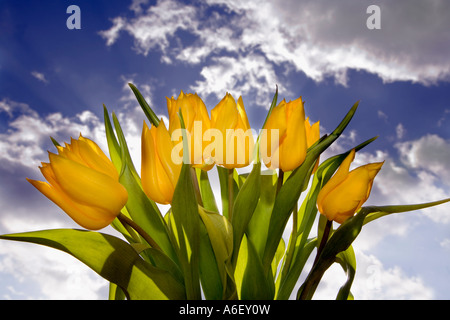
(54,81)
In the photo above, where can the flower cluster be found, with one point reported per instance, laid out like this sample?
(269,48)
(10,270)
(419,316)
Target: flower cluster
(198,249)
(84,182)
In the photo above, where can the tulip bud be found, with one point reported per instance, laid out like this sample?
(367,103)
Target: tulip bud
(159,172)
(344,194)
(197,122)
(230,121)
(84,183)
(283,139)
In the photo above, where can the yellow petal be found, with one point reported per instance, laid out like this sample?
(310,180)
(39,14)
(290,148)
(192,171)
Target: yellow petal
(312,132)
(243,114)
(85,216)
(335,180)
(155,182)
(88,186)
(275,126)
(164,147)
(225,114)
(348,191)
(94,157)
(293,147)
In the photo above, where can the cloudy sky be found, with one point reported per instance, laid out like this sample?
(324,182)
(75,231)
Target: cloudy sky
(54,81)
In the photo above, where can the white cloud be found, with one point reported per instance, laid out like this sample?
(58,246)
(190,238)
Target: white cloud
(430,153)
(38,272)
(400,131)
(239,76)
(28,133)
(373,281)
(154,28)
(40,76)
(314,37)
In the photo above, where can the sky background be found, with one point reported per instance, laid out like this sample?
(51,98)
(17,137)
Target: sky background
(54,81)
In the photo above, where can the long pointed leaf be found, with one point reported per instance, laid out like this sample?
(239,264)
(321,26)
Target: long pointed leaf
(347,260)
(111,258)
(185,225)
(150,114)
(251,282)
(113,144)
(244,206)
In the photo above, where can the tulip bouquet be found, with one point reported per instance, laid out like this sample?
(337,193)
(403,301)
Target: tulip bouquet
(230,246)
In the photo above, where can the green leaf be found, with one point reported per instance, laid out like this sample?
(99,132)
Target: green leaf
(347,260)
(220,233)
(115,293)
(124,151)
(112,258)
(251,283)
(151,116)
(55,143)
(210,278)
(258,227)
(209,201)
(278,257)
(224,181)
(286,284)
(244,206)
(378,212)
(185,225)
(113,145)
(272,105)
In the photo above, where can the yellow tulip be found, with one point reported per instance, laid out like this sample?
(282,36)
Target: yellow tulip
(229,119)
(344,194)
(283,139)
(197,122)
(84,183)
(159,171)
(312,135)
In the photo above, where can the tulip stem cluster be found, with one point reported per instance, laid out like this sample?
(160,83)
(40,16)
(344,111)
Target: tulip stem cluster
(129,222)
(230,193)
(323,241)
(196,187)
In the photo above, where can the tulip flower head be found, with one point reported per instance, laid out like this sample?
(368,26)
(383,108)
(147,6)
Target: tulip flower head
(283,139)
(233,144)
(197,122)
(84,183)
(344,194)
(159,172)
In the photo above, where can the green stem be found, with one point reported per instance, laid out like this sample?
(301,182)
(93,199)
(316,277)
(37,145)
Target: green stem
(292,241)
(127,221)
(326,233)
(280,180)
(308,288)
(198,195)
(230,193)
